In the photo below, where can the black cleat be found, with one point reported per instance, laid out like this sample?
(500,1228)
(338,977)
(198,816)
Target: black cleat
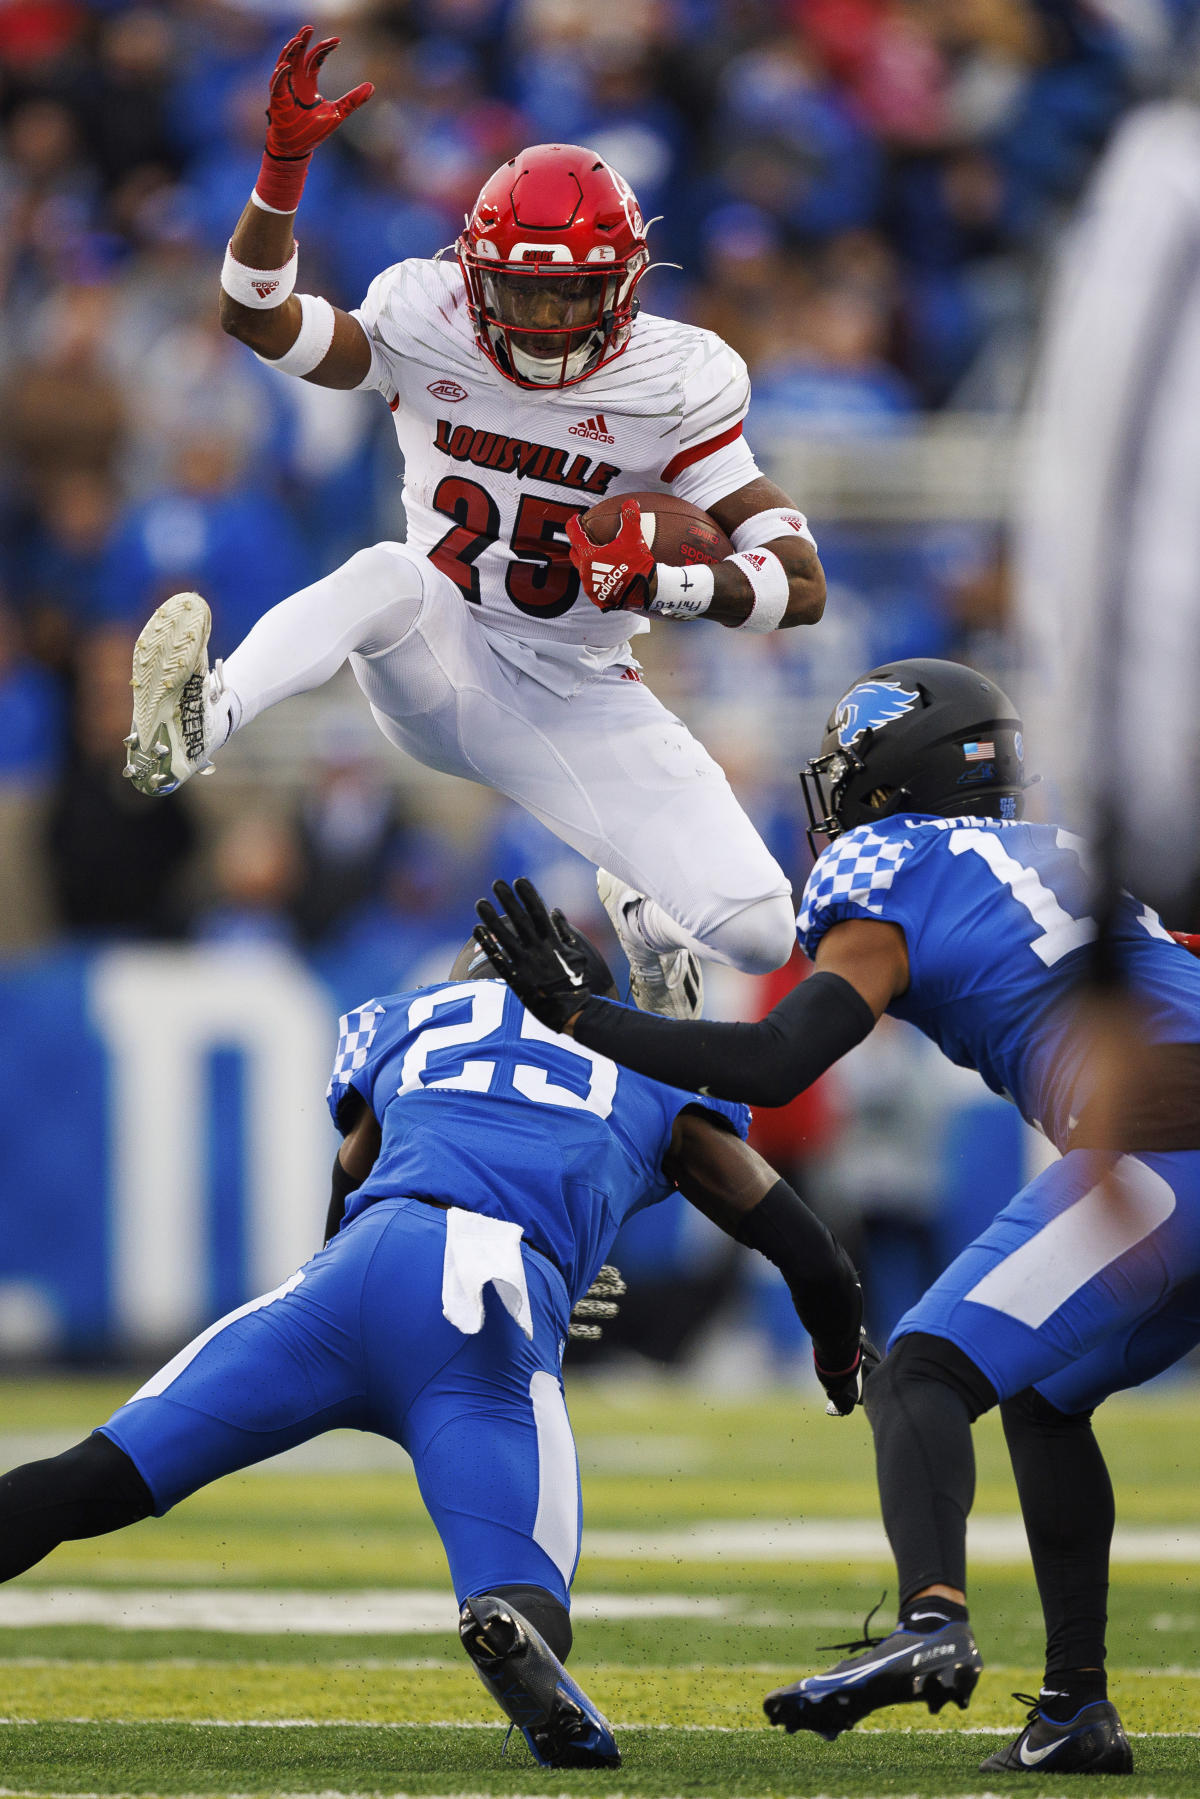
(1092,1742)
(896,1670)
(530,1685)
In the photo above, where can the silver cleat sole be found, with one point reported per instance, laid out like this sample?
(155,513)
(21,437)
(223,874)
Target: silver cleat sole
(670,984)
(170,666)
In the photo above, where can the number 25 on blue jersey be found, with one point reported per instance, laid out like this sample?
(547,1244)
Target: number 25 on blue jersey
(592,1078)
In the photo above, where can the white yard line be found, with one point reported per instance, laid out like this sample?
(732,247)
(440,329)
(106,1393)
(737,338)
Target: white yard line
(394,1793)
(721,1730)
(268,1793)
(997,1539)
(383,1611)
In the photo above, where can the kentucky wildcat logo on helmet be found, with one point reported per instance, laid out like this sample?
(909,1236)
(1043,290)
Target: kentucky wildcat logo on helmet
(916,736)
(869,705)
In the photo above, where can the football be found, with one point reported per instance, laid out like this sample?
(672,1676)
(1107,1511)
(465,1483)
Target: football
(677,532)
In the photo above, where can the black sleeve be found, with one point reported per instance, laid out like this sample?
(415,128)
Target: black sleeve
(763,1064)
(820,1275)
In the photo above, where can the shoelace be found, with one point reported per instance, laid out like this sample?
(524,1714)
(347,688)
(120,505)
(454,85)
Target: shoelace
(866,1641)
(1033,1701)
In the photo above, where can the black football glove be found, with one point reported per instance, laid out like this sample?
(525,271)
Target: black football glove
(600,1301)
(531,948)
(845,1389)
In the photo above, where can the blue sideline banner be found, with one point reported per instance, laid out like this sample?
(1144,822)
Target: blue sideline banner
(164,1144)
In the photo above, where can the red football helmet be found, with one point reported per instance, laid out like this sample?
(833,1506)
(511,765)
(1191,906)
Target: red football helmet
(551,253)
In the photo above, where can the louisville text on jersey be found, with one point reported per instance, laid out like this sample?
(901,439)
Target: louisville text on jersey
(527,461)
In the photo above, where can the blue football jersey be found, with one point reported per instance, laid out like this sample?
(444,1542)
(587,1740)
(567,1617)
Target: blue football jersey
(994,914)
(483,1107)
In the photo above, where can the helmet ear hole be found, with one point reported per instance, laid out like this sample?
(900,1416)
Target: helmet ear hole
(879,797)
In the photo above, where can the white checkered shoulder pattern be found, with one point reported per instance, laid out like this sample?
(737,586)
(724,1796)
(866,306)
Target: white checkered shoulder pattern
(356,1034)
(849,877)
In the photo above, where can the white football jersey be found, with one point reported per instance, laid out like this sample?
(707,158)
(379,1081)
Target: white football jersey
(492,471)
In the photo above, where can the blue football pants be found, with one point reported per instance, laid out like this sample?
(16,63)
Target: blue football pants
(356,1338)
(1087,1282)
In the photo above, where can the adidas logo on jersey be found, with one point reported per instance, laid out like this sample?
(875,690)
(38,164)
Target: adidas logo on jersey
(595,430)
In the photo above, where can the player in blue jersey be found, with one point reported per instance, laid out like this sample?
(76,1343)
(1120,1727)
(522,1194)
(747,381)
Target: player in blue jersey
(485,1168)
(935,902)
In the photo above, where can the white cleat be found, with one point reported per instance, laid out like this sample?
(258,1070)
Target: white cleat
(667,982)
(173,694)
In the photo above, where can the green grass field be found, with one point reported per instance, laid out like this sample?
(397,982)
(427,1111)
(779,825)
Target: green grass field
(290,1631)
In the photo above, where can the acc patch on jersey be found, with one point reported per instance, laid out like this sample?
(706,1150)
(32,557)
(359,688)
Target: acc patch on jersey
(869,705)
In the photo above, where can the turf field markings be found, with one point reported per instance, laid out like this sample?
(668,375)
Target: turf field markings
(352,1452)
(994,1539)
(631,1726)
(372,1611)
(367,1664)
(325,1793)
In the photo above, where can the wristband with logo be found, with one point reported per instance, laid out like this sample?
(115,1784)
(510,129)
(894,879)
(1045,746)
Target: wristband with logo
(258,288)
(769,527)
(768,577)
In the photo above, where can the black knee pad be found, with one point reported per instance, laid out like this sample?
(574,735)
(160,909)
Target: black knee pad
(922,1357)
(549,1618)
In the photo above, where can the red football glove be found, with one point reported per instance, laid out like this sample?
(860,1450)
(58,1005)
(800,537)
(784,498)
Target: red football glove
(1189,940)
(616,575)
(298,119)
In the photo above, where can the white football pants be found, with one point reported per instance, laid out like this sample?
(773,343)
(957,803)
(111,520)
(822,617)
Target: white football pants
(609,770)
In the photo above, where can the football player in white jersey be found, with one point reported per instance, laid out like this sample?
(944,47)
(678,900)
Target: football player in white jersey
(494,642)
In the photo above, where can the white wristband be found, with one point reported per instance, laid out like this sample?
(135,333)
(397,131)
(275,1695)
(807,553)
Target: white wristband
(260,288)
(682,592)
(256,199)
(317,320)
(768,577)
(769,527)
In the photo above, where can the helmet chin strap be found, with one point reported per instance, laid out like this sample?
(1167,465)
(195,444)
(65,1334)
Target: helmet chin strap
(546,371)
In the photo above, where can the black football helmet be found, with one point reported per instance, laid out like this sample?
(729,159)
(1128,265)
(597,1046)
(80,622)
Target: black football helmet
(473,963)
(916,736)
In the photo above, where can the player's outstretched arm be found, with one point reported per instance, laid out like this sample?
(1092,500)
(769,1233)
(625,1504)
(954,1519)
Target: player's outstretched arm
(301,333)
(731,1184)
(862,964)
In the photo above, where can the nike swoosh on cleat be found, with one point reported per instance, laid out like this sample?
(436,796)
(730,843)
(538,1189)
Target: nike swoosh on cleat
(863,1673)
(1029,1758)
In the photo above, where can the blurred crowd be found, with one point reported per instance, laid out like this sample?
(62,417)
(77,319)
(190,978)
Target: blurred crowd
(860,195)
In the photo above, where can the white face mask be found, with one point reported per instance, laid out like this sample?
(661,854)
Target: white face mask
(547,308)
(546,371)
